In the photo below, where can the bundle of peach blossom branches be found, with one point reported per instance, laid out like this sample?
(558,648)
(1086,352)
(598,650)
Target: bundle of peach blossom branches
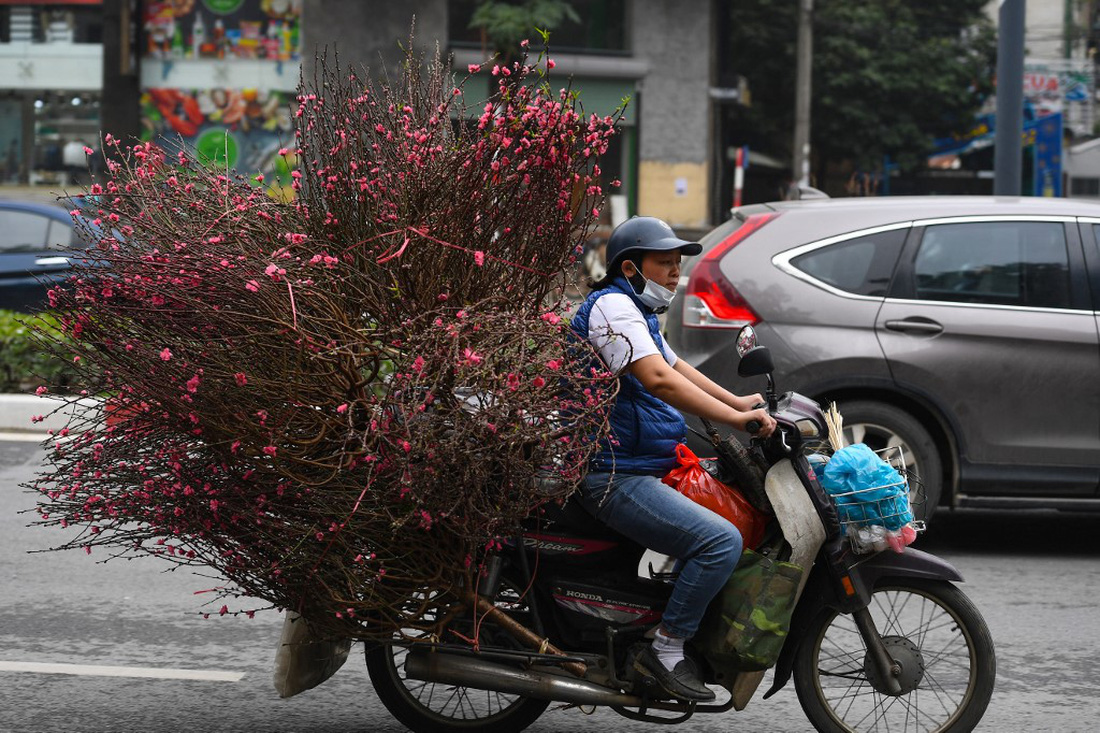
(338,403)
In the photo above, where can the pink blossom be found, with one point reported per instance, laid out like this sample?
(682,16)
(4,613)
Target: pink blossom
(241,379)
(550,63)
(479,258)
(417,365)
(223,610)
(538,382)
(552,318)
(473,68)
(166,354)
(270,450)
(193,384)
(470,356)
(88,151)
(554,364)
(41,391)
(252,286)
(342,408)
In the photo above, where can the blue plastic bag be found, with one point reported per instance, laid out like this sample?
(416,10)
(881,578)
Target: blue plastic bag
(867,489)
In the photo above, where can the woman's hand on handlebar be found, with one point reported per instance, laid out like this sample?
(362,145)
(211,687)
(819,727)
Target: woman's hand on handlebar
(758,422)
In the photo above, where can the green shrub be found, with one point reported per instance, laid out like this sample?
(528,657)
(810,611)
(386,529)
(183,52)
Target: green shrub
(24,363)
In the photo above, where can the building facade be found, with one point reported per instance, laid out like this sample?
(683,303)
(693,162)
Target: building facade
(220,75)
(656,53)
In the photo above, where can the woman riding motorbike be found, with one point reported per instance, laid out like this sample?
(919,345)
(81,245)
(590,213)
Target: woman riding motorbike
(623,487)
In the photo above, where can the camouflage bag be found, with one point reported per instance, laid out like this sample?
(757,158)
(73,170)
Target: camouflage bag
(746,625)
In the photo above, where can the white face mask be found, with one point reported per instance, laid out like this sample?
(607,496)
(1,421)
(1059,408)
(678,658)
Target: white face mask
(656,297)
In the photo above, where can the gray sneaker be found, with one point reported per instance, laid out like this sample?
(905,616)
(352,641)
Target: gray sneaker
(681,682)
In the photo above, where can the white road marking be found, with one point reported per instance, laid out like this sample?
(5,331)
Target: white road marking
(15,437)
(96,670)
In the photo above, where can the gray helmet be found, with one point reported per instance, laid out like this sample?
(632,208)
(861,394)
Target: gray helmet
(645,234)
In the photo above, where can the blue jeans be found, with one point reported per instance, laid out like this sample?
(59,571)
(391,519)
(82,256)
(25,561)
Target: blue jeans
(659,517)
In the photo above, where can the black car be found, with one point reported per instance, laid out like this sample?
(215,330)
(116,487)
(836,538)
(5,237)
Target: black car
(37,244)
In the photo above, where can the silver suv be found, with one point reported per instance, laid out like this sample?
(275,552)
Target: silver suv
(963,329)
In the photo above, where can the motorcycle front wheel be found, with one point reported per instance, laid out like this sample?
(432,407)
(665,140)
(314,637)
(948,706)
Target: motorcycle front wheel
(428,707)
(941,644)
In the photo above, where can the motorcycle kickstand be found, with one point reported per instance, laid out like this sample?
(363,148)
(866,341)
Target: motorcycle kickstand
(887,667)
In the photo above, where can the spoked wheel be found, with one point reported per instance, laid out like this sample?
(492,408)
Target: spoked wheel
(938,639)
(427,707)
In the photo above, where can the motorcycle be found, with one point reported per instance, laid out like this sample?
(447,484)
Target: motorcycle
(562,611)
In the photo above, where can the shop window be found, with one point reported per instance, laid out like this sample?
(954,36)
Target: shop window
(602,27)
(62,24)
(1084,187)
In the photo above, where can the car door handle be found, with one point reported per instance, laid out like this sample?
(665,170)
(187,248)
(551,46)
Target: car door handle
(51,261)
(914,326)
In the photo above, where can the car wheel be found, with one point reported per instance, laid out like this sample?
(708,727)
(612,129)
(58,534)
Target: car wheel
(882,426)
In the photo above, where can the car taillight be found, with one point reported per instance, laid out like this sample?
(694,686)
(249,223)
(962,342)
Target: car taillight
(711,301)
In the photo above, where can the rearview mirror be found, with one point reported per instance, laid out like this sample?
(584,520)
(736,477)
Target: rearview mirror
(756,362)
(755,359)
(746,340)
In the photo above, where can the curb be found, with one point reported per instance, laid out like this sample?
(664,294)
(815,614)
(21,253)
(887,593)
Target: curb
(17,411)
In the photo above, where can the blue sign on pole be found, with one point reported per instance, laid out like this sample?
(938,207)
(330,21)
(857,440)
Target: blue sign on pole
(1042,134)
(1047,151)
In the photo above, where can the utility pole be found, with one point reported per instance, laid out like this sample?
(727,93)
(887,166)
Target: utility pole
(801,165)
(1068,30)
(120,107)
(1007,163)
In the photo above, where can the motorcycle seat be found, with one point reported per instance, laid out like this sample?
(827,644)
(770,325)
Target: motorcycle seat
(573,517)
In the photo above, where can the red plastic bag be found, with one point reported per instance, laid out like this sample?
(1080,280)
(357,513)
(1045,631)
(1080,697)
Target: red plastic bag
(693,481)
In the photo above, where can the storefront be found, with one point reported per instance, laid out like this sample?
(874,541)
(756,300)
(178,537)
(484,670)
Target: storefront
(51,61)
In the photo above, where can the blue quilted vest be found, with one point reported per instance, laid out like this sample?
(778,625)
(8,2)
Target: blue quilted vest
(644,429)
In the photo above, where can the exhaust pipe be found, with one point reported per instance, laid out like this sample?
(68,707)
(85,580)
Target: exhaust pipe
(463,671)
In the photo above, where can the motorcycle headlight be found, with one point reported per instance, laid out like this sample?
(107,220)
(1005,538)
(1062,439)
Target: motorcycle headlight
(808,429)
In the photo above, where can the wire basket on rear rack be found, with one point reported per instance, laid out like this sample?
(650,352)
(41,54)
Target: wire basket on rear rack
(881,516)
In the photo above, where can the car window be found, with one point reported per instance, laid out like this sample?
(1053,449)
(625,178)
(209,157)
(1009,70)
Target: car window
(22,231)
(62,236)
(1003,263)
(862,265)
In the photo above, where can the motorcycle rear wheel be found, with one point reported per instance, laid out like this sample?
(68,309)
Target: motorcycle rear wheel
(941,642)
(428,707)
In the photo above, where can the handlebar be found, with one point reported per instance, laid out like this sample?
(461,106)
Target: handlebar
(752,427)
